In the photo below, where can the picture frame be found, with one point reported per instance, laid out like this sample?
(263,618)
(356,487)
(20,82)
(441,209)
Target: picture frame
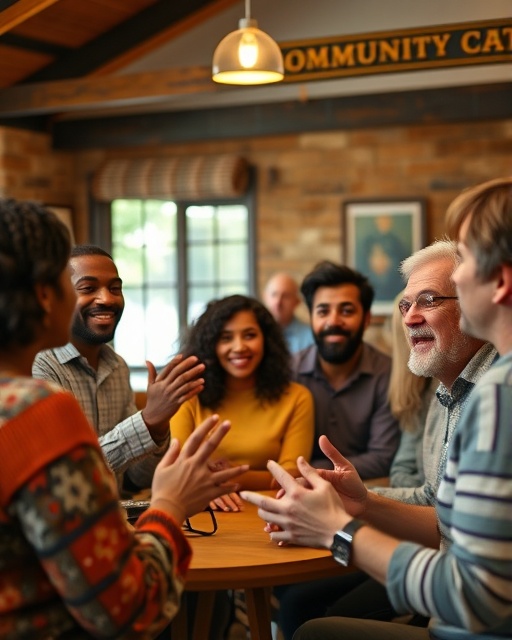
(378,235)
(65,215)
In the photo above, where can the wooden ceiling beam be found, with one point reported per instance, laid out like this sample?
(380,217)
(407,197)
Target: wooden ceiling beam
(172,31)
(20,11)
(105,91)
(131,39)
(478,103)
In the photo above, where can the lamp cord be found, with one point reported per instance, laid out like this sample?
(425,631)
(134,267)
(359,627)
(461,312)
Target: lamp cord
(248,9)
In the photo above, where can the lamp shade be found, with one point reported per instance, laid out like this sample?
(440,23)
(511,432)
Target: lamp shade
(247,56)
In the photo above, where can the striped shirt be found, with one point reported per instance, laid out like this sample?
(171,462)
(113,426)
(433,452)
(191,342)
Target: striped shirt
(467,588)
(107,399)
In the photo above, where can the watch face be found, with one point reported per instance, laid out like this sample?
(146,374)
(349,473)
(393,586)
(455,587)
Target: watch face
(341,550)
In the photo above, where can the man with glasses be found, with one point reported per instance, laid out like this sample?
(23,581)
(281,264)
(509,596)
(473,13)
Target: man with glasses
(465,586)
(424,302)
(439,350)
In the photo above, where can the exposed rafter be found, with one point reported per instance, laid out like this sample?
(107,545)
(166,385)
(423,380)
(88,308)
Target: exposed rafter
(430,106)
(20,11)
(131,39)
(105,91)
(177,28)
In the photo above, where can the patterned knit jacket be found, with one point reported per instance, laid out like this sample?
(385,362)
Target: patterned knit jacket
(70,565)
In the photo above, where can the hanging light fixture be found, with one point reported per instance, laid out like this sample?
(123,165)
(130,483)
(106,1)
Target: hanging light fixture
(247,55)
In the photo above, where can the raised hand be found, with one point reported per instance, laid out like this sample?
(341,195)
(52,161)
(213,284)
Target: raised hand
(308,513)
(178,381)
(344,478)
(184,482)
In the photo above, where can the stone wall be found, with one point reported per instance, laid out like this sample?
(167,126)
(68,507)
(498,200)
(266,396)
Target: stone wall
(302,180)
(31,170)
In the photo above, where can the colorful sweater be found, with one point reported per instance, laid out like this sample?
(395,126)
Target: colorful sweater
(70,565)
(467,587)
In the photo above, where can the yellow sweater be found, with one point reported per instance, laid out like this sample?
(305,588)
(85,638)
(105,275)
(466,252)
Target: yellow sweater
(280,431)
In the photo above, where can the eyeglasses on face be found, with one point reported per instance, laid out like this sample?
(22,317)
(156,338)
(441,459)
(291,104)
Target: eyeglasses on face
(423,302)
(210,528)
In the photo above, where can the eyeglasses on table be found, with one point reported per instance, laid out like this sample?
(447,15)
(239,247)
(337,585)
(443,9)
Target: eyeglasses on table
(134,508)
(191,524)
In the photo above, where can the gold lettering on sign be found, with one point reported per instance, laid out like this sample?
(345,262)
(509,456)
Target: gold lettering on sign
(467,42)
(362,56)
(493,42)
(449,45)
(294,61)
(343,57)
(421,46)
(440,42)
(406,44)
(389,50)
(317,59)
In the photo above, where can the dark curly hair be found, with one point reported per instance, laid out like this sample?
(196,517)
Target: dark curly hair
(274,372)
(330,274)
(34,249)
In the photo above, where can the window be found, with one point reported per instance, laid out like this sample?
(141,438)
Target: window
(174,258)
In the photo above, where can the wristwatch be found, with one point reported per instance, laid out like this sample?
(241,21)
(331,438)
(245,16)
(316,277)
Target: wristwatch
(341,547)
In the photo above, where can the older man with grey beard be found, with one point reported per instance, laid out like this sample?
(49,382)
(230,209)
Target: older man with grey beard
(439,349)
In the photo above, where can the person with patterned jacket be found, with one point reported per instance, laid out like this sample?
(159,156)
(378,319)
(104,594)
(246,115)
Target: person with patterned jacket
(71,567)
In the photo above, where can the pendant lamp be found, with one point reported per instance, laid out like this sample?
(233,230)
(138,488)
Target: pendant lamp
(247,56)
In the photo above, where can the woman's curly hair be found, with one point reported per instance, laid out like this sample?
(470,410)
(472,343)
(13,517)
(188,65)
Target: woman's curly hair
(274,371)
(34,249)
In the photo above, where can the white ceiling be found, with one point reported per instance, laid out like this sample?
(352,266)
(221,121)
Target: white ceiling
(299,19)
(287,20)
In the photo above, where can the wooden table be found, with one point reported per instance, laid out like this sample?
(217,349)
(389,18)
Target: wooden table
(242,556)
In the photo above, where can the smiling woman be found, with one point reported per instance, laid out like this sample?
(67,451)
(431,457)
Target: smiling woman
(247,381)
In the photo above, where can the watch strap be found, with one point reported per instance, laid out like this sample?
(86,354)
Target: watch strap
(351,527)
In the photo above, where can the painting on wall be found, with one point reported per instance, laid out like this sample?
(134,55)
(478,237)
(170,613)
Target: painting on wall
(378,235)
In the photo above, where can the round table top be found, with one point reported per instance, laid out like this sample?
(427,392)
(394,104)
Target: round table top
(241,555)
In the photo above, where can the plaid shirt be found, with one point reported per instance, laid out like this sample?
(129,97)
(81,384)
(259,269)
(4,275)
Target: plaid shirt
(107,400)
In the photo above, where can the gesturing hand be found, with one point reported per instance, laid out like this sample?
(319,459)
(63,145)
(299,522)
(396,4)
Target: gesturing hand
(184,482)
(307,514)
(178,381)
(344,478)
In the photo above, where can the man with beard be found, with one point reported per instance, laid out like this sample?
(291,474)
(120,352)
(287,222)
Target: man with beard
(439,349)
(348,378)
(452,562)
(133,441)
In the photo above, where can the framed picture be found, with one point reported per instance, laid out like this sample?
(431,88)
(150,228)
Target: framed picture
(65,215)
(378,235)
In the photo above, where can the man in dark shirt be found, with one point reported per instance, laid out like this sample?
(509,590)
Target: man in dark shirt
(348,378)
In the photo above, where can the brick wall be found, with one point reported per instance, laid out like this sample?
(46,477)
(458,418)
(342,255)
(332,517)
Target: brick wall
(302,180)
(31,169)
